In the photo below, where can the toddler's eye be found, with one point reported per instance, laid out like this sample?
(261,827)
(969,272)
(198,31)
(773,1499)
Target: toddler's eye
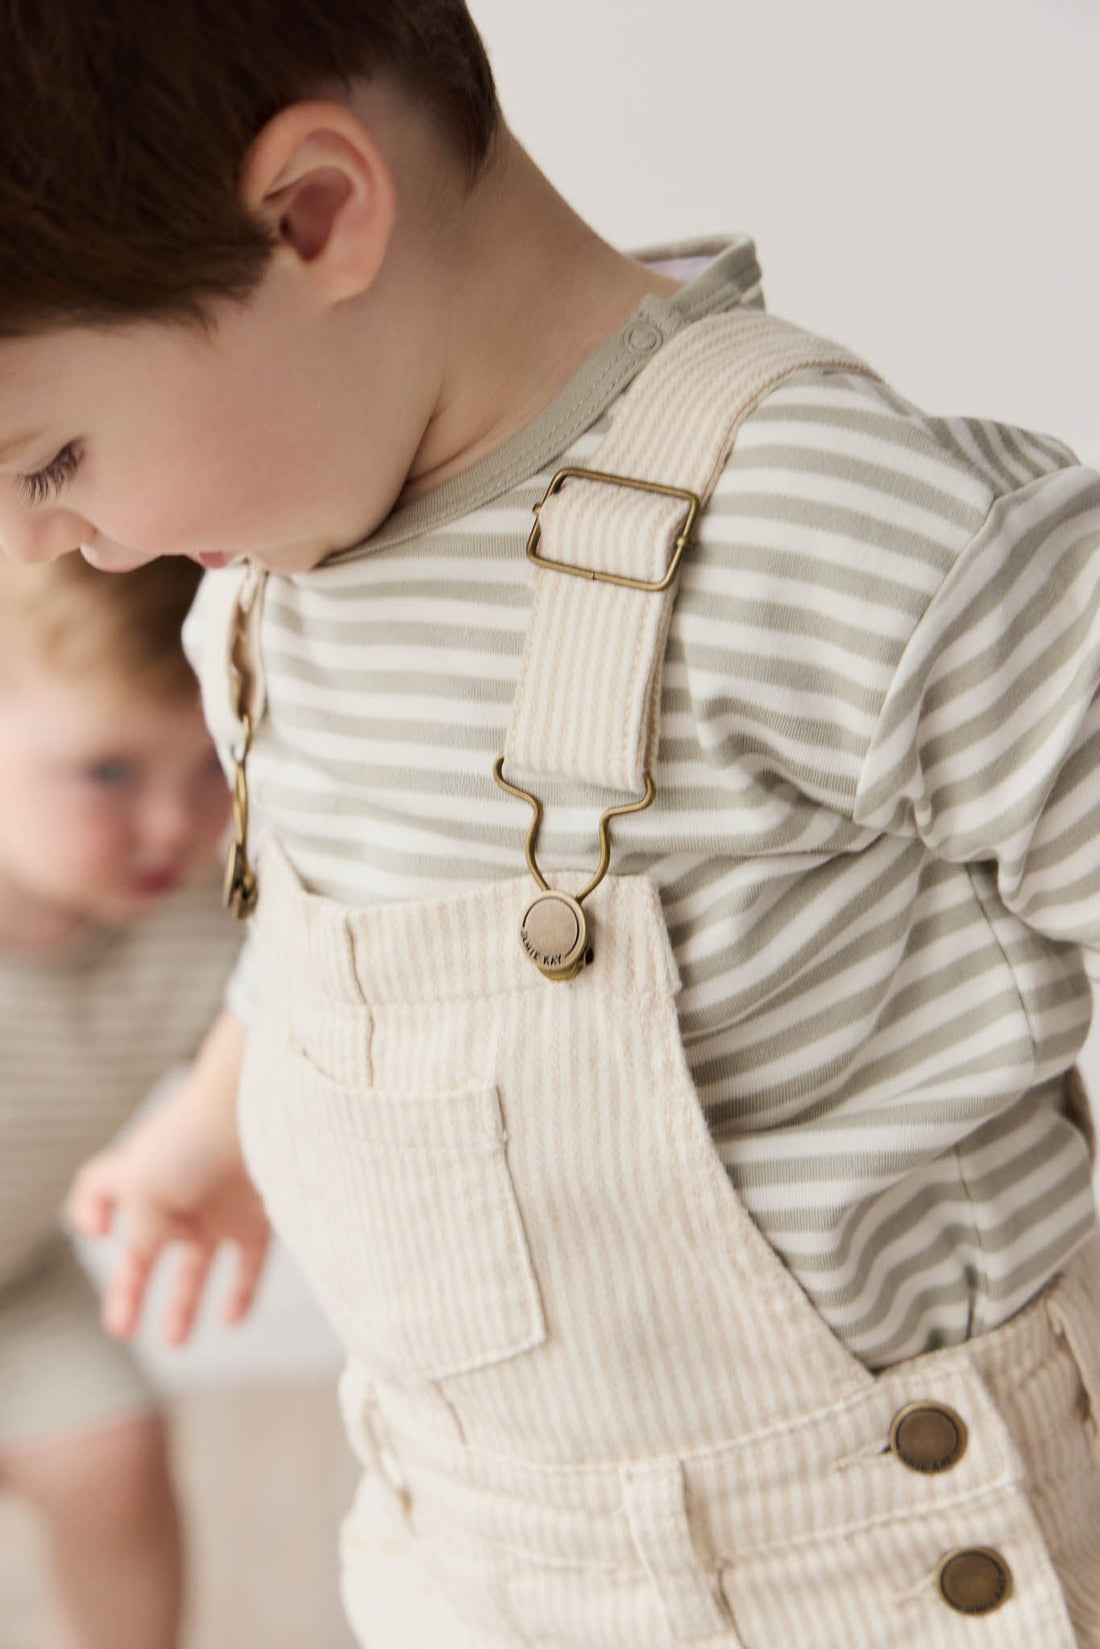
(56,474)
(112,775)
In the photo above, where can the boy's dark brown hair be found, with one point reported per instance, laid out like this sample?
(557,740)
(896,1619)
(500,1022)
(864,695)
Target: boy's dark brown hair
(74,621)
(124,124)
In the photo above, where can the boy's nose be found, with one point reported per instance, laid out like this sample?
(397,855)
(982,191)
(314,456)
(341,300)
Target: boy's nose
(169,823)
(40,535)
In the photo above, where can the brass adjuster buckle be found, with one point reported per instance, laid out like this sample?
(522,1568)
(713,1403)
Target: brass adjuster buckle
(554,928)
(654,586)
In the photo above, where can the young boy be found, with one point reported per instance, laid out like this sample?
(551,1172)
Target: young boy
(713,1241)
(113,954)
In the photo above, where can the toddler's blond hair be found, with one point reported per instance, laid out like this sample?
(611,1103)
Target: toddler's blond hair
(69,618)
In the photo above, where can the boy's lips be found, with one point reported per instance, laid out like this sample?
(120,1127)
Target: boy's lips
(153,882)
(212,560)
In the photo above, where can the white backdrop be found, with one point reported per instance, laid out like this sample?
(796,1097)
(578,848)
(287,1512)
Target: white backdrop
(921,181)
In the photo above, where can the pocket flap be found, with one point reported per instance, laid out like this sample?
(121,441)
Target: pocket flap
(408,1224)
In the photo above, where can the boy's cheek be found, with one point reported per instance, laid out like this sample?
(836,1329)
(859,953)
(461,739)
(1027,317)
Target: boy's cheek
(147,509)
(220,501)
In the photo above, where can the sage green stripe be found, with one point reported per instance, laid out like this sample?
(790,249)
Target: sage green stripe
(893,485)
(905,434)
(996,465)
(820,519)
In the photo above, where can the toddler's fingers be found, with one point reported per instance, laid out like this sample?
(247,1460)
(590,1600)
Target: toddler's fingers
(93,1198)
(250,1267)
(146,1235)
(188,1283)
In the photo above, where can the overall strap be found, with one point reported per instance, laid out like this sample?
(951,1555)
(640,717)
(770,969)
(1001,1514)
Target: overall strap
(608,541)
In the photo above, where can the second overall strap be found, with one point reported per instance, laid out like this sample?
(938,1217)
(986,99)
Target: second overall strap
(606,547)
(247,703)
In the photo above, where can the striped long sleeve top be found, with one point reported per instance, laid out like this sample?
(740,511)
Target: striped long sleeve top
(877,833)
(85,1039)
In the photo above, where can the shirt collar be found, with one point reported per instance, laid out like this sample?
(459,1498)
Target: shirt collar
(729,275)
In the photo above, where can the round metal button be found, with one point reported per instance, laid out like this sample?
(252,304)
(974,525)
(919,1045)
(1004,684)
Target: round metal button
(928,1437)
(642,337)
(555,935)
(975,1581)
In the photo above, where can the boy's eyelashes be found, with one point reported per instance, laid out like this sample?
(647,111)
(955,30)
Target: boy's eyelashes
(47,481)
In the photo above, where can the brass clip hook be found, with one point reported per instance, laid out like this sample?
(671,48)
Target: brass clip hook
(554,929)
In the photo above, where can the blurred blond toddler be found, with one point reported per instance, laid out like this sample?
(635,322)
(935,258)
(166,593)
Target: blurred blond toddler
(113,955)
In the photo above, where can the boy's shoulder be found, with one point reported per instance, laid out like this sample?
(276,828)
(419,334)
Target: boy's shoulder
(840,466)
(850,533)
(148,987)
(168,969)
(185,934)
(865,431)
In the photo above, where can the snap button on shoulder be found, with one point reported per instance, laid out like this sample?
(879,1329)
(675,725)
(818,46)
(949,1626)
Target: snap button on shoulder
(928,1437)
(642,337)
(975,1581)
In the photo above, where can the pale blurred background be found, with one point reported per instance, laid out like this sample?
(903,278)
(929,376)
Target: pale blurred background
(922,184)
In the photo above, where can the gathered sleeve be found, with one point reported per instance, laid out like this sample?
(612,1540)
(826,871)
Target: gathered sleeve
(987,745)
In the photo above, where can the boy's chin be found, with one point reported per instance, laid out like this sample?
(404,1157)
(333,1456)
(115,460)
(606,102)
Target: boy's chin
(115,558)
(112,558)
(125,903)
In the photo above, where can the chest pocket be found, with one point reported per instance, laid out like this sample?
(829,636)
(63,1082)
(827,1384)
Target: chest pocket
(402,1212)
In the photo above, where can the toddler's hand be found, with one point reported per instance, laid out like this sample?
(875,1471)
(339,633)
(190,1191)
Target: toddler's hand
(178,1179)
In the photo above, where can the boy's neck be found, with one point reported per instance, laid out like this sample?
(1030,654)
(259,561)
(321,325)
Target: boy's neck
(536,293)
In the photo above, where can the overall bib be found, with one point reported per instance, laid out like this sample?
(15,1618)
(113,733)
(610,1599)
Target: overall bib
(594,1408)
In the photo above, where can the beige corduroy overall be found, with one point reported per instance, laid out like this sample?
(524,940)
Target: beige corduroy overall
(594,1408)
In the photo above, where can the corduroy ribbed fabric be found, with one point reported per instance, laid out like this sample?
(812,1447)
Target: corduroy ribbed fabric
(597,1411)
(586,701)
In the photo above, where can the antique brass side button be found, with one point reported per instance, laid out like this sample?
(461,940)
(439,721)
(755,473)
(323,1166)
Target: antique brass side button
(554,934)
(975,1581)
(928,1437)
(239,890)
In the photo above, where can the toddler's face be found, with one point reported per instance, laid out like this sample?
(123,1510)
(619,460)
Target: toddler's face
(109,801)
(154,438)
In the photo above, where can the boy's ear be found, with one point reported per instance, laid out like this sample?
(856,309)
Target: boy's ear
(319,182)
